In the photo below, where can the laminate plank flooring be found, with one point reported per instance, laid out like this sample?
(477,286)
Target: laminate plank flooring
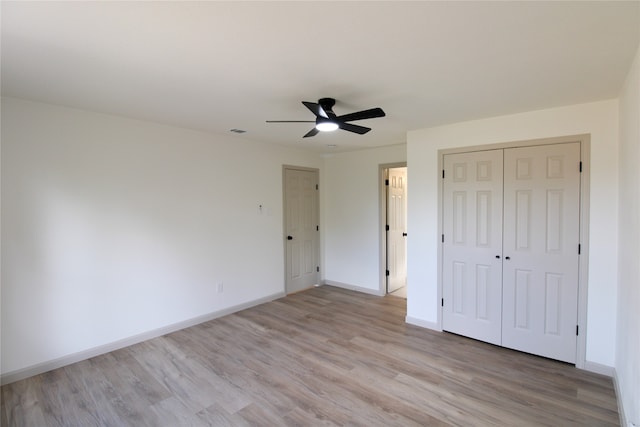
(323,357)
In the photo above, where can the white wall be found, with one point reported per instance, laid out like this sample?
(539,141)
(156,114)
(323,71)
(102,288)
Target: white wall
(628,330)
(114,227)
(599,119)
(352,216)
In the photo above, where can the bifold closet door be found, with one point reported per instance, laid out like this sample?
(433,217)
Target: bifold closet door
(511,224)
(472,245)
(541,237)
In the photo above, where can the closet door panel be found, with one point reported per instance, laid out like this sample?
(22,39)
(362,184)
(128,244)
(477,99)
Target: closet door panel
(472,225)
(541,236)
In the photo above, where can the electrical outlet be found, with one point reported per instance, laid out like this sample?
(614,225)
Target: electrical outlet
(220,287)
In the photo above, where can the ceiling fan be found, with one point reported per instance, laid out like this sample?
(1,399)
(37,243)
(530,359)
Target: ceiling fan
(326,120)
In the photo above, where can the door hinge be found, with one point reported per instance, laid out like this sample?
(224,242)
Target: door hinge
(577,329)
(318,269)
(581,167)
(317,186)
(387,272)
(443,238)
(386,182)
(386,227)
(579,248)
(317,228)
(442,302)
(442,173)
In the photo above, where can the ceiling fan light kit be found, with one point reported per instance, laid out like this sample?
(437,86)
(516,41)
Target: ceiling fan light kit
(327,120)
(326,125)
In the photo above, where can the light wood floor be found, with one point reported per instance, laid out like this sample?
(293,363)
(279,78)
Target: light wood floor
(326,356)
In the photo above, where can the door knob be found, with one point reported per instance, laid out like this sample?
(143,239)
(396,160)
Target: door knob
(404,234)
(507,258)
(289,237)
(497,256)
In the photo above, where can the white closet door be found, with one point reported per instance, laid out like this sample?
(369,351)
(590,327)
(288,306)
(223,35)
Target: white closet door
(541,236)
(472,224)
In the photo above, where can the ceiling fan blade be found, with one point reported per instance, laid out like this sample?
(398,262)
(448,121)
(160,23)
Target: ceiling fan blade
(353,128)
(362,115)
(315,109)
(291,121)
(312,132)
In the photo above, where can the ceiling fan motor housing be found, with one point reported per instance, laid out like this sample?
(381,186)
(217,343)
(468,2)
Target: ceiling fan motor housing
(327,104)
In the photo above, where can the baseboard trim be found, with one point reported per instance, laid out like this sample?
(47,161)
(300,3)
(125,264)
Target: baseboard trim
(621,412)
(20,374)
(598,368)
(356,288)
(610,371)
(423,323)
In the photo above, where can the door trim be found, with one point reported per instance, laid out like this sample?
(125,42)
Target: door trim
(382,220)
(284,222)
(583,269)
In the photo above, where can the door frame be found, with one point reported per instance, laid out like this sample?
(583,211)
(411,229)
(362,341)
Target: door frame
(284,222)
(382,215)
(583,268)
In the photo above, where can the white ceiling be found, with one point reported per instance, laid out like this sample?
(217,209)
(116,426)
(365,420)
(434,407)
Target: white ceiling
(215,66)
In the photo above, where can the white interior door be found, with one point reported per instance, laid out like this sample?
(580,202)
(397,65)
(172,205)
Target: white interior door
(472,245)
(302,235)
(397,233)
(541,236)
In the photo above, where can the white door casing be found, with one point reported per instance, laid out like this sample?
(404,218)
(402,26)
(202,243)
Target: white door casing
(301,229)
(472,245)
(541,260)
(397,233)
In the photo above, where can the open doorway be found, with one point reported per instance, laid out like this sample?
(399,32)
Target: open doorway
(394,242)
